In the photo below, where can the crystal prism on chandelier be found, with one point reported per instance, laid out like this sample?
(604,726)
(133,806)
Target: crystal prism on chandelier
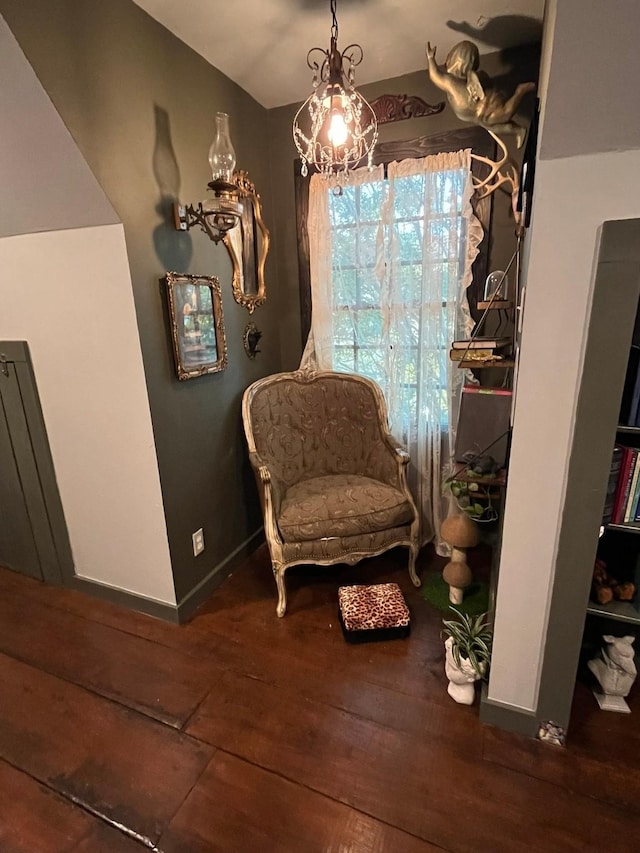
(335,128)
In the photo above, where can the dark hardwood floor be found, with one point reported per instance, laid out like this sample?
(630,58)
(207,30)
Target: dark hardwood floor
(244,732)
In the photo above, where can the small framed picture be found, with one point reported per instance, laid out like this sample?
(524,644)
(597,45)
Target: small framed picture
(197,324)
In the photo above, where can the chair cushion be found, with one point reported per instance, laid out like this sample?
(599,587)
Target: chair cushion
(341,505)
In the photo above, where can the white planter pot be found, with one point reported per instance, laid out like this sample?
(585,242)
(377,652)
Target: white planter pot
(461,678)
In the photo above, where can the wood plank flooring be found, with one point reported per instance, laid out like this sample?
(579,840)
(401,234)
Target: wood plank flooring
(241,732)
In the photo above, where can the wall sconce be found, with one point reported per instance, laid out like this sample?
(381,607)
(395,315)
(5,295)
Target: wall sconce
(335,128)
(222,212)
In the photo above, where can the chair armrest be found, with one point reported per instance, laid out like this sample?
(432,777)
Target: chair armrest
(269,492)
(260,467)
(397,448)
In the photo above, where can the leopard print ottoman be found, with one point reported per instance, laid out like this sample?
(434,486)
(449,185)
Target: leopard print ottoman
(375,612)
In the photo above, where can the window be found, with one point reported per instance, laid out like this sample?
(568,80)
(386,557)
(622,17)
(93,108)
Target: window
(390,262)
(428,271)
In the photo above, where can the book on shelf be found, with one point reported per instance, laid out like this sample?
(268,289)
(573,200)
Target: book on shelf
(632,500)
(612,484)
(490,342)
(471,355)
(627,470)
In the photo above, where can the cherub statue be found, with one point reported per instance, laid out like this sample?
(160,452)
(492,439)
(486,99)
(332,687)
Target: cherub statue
(471,100)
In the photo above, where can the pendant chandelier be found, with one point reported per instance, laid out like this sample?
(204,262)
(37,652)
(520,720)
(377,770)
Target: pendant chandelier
(335,128)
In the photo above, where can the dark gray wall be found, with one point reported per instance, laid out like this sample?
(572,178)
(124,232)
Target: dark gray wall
(508,69)
(51,188)
(140,106)
(603,52)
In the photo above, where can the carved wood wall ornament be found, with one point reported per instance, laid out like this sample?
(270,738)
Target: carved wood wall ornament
(389,108)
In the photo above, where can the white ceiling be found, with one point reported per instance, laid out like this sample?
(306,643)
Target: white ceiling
(262,44)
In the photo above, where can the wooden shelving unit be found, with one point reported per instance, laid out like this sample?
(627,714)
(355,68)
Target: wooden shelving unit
(621,555)
(621,611)
(496,305)
(488,363)
(627,528)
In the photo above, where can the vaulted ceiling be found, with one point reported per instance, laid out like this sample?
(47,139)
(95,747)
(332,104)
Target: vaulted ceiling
(262,44)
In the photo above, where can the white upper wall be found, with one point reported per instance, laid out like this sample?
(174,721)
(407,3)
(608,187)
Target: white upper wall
(68,294)
(46,183)
(592,93)
(66,290)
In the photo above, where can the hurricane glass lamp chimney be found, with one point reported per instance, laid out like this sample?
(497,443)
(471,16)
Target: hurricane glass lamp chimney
(335,128)
(221,212)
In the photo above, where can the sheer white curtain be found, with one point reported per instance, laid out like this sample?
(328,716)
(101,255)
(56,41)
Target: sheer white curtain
(390,265)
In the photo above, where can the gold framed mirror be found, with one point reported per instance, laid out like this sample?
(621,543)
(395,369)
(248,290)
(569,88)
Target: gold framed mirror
(197,324)
(248,245)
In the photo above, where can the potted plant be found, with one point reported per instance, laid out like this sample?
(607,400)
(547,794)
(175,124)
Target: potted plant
(473,499)
(467,654)
(472,486)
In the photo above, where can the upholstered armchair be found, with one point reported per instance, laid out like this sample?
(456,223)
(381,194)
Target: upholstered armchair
(332,480)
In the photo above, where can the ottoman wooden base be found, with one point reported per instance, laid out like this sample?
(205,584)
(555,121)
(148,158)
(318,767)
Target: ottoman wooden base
(374,612)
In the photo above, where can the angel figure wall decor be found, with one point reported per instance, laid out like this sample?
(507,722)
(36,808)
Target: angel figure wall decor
(472,99)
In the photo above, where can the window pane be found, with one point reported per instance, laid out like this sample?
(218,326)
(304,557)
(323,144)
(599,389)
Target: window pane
(409,198)
(344,359)
(342,208)
(344,286)
(410,240)
(371,363)
(368,287)
(371,196)
(343,331)
(369,325)
(411,283)
(367,236)
(344,246)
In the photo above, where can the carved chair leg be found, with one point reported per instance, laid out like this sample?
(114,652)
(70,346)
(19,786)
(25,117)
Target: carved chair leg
(278,573)
(413,554)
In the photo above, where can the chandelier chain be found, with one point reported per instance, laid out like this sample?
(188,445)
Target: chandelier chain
(334,24)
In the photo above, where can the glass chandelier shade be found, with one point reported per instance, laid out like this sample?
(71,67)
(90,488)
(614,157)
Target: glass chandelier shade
(222,157)
(335,128)
(223,210)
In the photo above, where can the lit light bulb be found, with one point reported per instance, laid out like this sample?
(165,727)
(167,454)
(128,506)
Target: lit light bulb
(338,130)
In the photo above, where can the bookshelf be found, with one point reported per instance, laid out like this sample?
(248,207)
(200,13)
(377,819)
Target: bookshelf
(619,543)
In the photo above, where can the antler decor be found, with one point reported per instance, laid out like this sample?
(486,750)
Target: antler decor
(502,171)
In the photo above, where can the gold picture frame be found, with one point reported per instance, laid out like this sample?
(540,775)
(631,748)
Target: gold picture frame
(248,246)
(197,324)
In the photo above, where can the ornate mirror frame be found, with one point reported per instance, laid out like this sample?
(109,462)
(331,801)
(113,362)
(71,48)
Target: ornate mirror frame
(197,324)
(248,245)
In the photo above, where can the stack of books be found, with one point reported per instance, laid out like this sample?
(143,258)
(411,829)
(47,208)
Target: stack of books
(622,504)
(480,349)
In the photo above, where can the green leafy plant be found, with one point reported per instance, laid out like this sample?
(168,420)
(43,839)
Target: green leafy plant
(472,637)
(472,498)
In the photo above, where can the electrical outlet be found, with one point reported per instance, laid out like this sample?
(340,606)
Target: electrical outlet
(198,542)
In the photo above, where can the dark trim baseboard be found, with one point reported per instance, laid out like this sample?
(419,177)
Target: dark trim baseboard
(124,598)
(192,600)
(507,717)
(184,610)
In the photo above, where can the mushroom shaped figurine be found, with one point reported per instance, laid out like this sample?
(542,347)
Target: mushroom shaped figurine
(461,533)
